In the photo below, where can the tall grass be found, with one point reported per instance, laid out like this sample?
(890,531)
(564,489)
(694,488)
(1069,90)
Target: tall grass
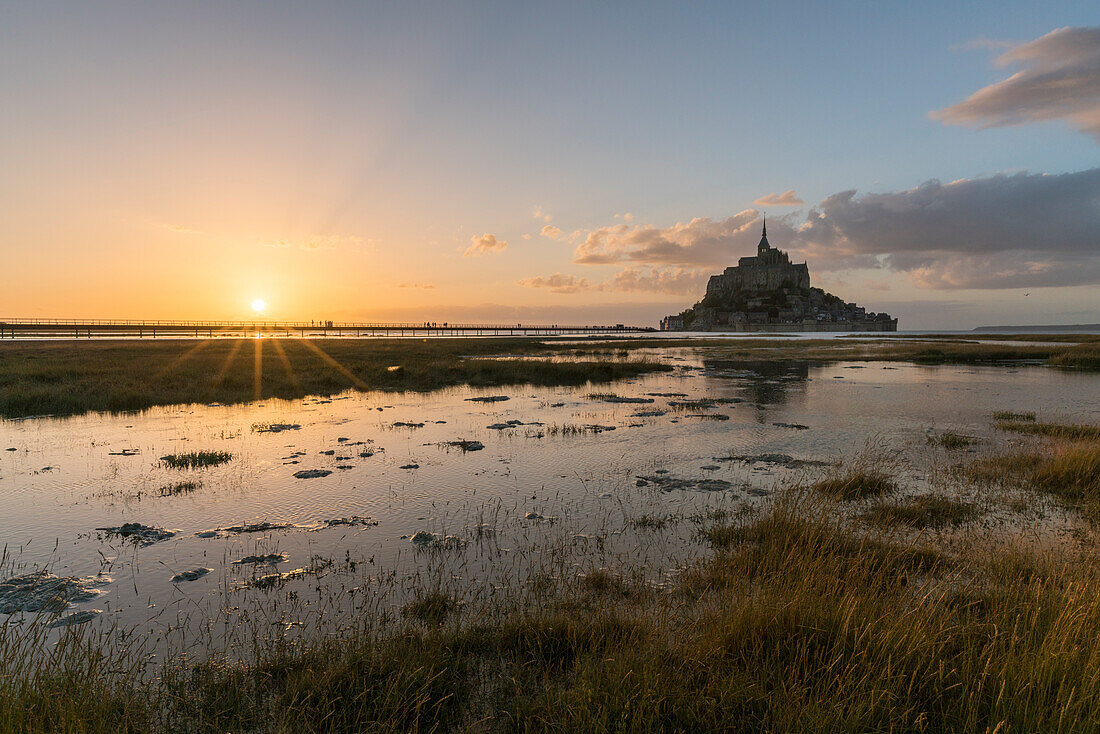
(800,620)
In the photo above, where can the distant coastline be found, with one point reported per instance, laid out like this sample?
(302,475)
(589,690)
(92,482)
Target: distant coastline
(1041,329)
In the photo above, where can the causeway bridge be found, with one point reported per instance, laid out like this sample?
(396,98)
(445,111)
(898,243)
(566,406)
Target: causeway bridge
(12,328)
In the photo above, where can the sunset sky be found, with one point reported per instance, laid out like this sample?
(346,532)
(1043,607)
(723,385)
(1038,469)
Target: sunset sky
(554,162)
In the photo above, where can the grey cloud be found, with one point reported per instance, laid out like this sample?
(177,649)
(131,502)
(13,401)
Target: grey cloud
(1058,79)
(1003,231)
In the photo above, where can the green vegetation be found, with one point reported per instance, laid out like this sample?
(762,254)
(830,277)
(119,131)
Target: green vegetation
(951,440)
(800,620)
(1083,357)
(1008,415)
(1069,432)
(856,484)
(431,608)
(67,377)
(1068,468)
(171,490)
(925,511)
(196,459)
(62,378)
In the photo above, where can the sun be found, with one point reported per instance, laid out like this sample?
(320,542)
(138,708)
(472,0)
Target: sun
(259,305)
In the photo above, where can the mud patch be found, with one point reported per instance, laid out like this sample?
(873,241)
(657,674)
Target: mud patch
(142,535)
(43,591)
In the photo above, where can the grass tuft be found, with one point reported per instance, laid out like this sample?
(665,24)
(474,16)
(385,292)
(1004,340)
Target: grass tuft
(858,483)
(924,511)
(1008,415)
(196,459)
(171,490)
(1070,432)
(431,608)
(951,440)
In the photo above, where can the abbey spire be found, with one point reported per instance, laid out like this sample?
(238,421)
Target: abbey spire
(763,246)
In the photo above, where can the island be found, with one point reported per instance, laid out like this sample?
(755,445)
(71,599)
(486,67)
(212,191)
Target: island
(770,293)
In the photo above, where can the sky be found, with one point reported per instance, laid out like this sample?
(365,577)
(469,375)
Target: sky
(554,162)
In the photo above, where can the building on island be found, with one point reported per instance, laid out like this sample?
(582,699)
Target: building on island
(770,293)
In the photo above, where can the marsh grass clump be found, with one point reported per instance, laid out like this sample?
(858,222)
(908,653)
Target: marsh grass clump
(603,582)
(431,608)
(1008,415)
(1084,357)
(857,483)
(1070,472)
(1069,432)
(647,521)
(187,487)
(924,511)
(196,459)
(1008,468)
(950,440)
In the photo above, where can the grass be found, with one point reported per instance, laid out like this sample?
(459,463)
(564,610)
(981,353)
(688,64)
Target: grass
(647,521)
(924,511)
(950,440)
(431,608)
(1008,415)
(857,483)
(196,459)
(799,620)
(1084,357)
(67,377)
(63,378)
(1070,432)
(1068,468)
(171,490)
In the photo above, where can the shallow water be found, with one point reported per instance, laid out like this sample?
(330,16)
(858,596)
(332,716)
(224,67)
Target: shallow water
(68,477)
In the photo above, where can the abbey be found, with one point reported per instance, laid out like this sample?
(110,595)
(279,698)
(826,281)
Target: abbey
(770,293)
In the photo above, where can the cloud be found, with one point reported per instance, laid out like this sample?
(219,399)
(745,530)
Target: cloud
(551,231)
(1002,231)
(701,241)
(538,213)
(787,198)
(422,286)
(557,283)
(484,243)
(1058,79)
(676,281)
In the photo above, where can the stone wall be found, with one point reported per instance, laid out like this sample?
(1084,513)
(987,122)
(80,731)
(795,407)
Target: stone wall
(757,278)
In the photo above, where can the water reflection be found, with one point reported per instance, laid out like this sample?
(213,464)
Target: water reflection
(762,384)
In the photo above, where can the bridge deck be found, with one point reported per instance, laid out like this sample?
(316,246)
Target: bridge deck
(92,328)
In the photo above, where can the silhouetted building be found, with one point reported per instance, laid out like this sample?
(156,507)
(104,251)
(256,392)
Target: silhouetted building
(770,293)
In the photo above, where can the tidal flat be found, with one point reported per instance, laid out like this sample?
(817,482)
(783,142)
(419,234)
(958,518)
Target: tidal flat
(860,541)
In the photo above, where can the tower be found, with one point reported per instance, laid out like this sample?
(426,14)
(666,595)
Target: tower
(763,246)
